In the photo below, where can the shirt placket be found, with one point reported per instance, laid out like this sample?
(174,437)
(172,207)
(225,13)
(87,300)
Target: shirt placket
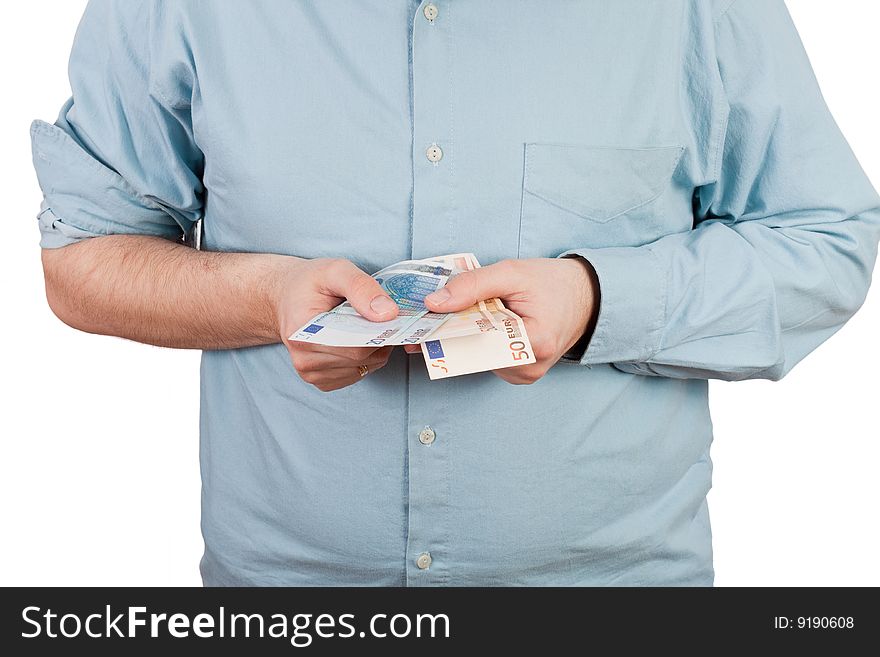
(430,436)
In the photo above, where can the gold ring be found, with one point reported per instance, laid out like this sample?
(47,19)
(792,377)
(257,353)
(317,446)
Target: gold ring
(363,370)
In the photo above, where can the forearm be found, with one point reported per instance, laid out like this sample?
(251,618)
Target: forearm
(163,293)
(731,302)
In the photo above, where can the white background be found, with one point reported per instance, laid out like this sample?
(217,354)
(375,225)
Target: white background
(99,481)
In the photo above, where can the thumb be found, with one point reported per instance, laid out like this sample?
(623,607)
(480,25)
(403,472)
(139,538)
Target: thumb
(466,289)
(361,290)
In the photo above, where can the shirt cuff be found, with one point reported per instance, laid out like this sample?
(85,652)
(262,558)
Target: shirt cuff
(632,305)
(55,233)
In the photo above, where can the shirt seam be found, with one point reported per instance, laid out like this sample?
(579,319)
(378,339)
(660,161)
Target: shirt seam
(451,50)
(722,104)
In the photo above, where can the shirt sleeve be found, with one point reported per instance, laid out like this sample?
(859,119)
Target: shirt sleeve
(121,158)
(784,241)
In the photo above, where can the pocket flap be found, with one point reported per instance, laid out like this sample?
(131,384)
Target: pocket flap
(598,182)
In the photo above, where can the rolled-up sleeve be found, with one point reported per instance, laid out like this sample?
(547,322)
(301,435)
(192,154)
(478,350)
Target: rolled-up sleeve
(121,157)
(784,242)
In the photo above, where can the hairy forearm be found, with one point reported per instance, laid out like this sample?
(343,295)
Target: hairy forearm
(163,293)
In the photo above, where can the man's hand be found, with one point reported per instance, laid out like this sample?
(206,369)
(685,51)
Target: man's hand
(310,287)
(556,297)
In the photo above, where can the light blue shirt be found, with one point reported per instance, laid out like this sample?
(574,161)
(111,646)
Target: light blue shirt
(681,146)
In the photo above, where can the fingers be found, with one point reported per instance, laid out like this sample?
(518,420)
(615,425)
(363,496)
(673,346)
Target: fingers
(326,373)
(468,288)
(523,375)
(353,354)
(412,348)
(328,383)
(343,279)
(315,361)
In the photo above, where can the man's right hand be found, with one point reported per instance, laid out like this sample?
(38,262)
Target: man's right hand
(309,287)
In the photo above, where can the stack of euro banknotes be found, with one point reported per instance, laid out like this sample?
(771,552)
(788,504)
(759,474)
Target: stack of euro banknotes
(486,336)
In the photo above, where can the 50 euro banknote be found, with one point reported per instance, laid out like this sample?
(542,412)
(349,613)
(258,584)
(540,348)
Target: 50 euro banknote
(506,346)
(454,349)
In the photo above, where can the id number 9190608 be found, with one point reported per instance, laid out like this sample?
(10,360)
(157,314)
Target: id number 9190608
(814,622)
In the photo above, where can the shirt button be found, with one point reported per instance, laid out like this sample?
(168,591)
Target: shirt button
(431,11)
(424,561)
(427,436)
(434,153)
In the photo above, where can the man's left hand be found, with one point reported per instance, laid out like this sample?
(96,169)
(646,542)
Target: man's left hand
(557,299)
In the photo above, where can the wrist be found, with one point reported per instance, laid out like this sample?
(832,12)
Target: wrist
(274,279)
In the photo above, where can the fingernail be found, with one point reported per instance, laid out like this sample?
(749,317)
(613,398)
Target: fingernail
(440,296)
(382,305)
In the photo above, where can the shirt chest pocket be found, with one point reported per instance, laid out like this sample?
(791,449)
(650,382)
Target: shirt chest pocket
(586,196)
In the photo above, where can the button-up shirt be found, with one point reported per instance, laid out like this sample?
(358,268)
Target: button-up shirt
(681,146)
